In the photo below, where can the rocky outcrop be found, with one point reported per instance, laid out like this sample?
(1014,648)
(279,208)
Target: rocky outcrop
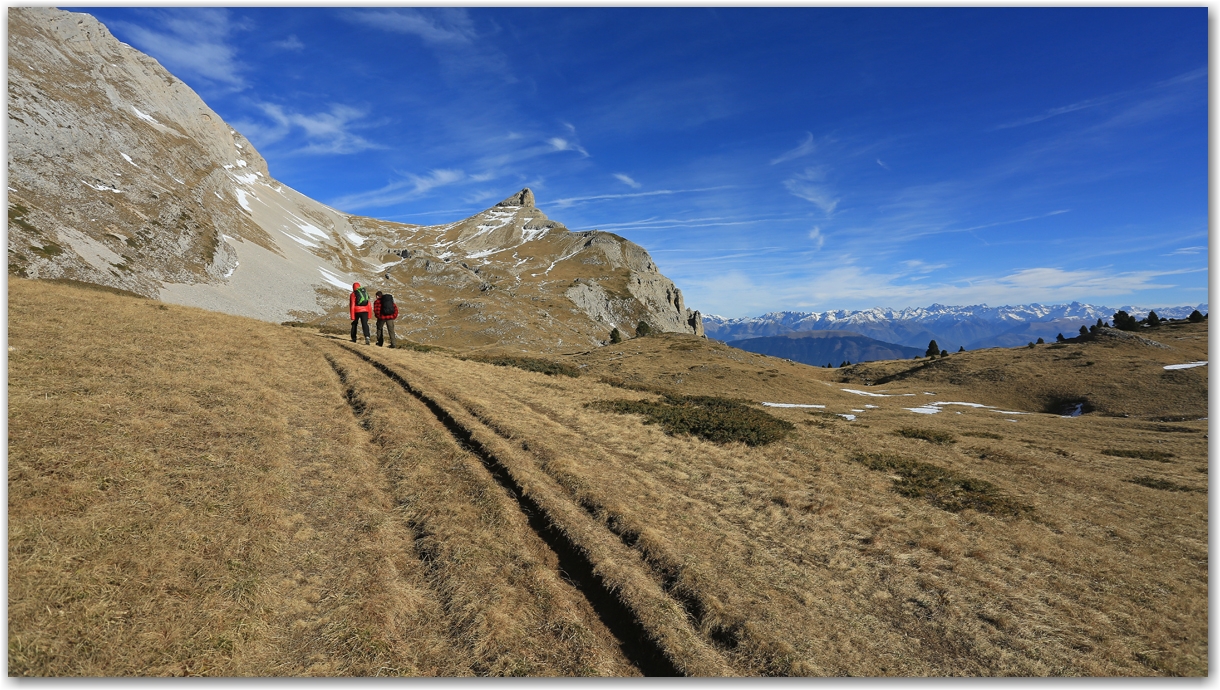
(120,175)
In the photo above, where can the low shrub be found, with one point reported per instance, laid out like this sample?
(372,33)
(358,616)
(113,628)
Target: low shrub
(718,420)
(945,489)
(1163,485)
(418,347)
(1139,454)
(983,434)
(542,366)
(930,435)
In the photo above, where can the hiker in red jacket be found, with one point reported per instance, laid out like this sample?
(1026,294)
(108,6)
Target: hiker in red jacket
(360,306)
(386,311)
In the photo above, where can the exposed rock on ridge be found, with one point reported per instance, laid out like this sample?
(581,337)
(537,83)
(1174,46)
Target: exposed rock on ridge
(120,175)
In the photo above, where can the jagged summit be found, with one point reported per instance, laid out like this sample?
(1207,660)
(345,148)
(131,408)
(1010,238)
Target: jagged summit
(120,175)
(522,198)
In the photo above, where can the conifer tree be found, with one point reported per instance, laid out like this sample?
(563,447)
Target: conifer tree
(1195,316)
(643,329)
(962,348)
(1153,320)
(1084,331)
(615,336)
(933,349)
(1041,341)
(1059,338)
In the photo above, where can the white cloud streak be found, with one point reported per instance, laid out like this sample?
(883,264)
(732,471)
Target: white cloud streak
(327,132)
(802,149)
(626,179)
(412,187)
(441,26)
(810,186)
(192,42)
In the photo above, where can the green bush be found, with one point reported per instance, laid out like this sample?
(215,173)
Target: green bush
(718,420)
(643,329)
(945,489)
(1139,454)
(930,435)
(933,349)
(982,434)
(1195,316)
(615,336)
(542,366)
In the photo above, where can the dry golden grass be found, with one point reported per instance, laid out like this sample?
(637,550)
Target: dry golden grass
(196,493)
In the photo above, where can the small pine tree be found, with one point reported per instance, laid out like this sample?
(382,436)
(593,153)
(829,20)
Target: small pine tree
(842,364)
(1059,338)
(1031,345)
(962,348)
(1084,331)
(1041,341)
(615,336)
(1195,316)
(643,329)
(1153,320)
(944,353)
(1100,323)
(1125,322)
(933,349)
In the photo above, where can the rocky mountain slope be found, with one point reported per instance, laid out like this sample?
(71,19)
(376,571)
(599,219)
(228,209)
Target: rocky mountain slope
(972,326)
(120,175)
(819,348)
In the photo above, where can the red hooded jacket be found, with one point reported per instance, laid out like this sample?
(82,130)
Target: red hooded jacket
(351,302)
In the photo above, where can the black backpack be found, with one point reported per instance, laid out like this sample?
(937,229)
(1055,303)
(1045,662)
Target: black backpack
(362,297)
(387,305)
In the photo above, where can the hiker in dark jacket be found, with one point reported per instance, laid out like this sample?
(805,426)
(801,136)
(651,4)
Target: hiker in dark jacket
(386,311)
(359,312)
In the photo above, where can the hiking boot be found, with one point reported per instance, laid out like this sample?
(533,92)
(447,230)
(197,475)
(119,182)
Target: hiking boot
(366,341)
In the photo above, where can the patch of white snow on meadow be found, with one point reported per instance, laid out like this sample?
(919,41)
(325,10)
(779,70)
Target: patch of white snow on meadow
(875,395)
(102,188)
(1011,420)
(771,404)
(355,239)
(333,279)
(311,230)
(483,254)
(870,407)
(531,234)
(1009,412)
(241,199)
(857,410)
(927,409)
(1186,366)
(176,179)
(128,159)
(848,417)
(144,116)
(962,403)
(927,393)
(299,240)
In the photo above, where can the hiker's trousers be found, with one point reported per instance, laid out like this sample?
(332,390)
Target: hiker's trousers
(389,326)
(362,317)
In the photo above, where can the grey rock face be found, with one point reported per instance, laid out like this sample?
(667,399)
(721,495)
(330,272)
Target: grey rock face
(120,175)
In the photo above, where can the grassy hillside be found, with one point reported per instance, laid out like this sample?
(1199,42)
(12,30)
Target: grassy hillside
(198,494)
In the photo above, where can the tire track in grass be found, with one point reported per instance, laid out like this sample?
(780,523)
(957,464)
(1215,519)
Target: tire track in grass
(723,635)
(638,642)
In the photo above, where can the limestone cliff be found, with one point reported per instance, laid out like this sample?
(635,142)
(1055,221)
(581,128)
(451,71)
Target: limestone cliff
(120,175)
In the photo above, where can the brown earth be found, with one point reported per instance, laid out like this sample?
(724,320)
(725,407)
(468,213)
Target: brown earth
(199,494)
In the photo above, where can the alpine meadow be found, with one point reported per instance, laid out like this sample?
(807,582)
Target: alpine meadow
(554,465)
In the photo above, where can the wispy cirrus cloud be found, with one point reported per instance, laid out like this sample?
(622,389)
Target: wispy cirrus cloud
(406,189)
(326,132)
(811,186)
(804,148)
(291,43)
(191,42)
(1186,251)
(626,179)
(569,201)
(437,26)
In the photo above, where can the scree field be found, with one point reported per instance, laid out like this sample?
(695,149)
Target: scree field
(198,494)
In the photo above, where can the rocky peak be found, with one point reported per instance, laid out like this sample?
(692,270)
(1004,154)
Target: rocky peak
(522,198)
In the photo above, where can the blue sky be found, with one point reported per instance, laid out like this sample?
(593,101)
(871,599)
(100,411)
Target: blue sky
(774,159)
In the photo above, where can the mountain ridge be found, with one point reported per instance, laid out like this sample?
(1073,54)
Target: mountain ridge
(120,175)
(970,326)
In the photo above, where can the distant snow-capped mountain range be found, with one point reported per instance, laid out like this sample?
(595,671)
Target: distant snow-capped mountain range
(971,326)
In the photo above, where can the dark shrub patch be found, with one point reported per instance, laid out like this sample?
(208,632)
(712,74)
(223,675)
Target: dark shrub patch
(1139,454)
(542,366)
(1154,483)
(945,489)
(930,435)
(983,434)
(718,420)
(632,385)
(1070,405)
